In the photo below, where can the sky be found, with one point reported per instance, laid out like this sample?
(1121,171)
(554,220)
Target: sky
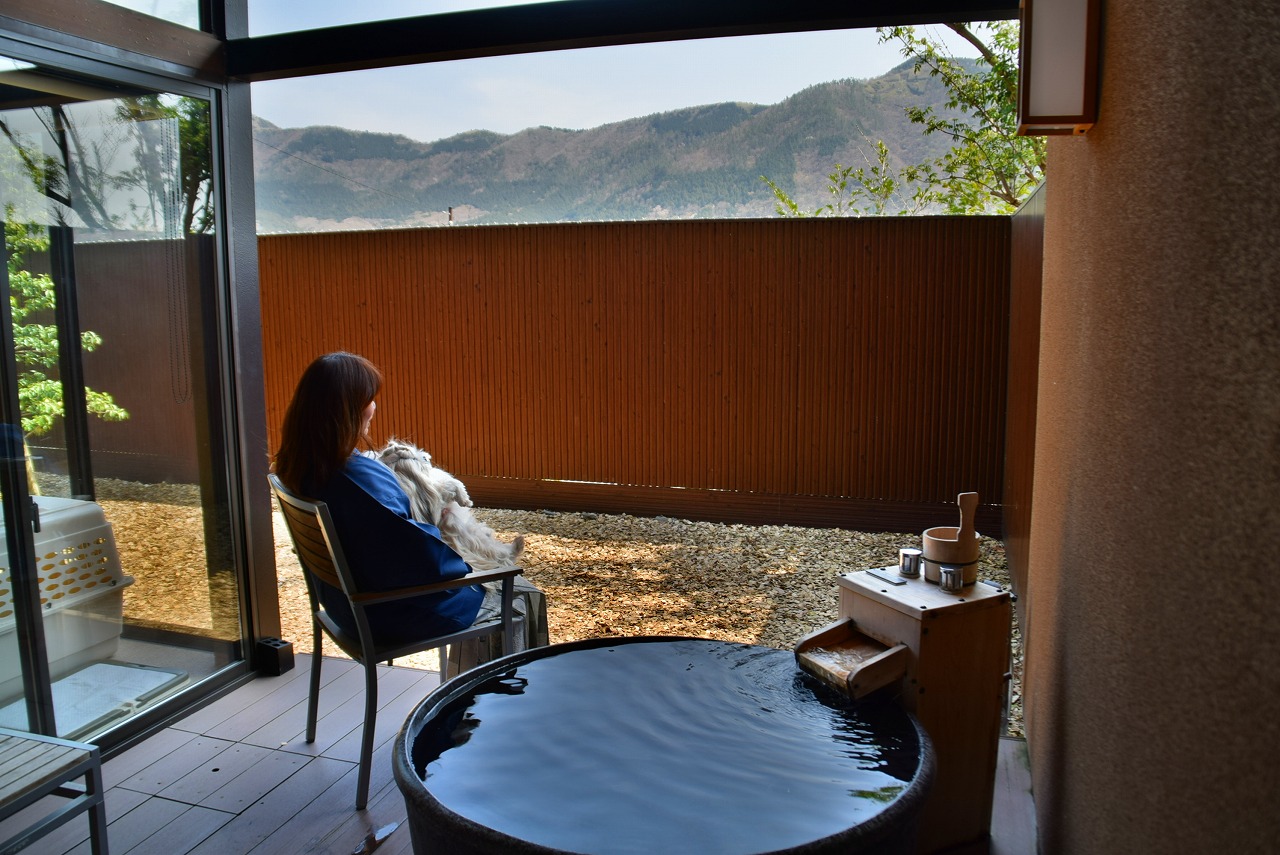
(565,89)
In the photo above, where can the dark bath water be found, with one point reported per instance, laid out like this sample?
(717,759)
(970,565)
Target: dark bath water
(665,746)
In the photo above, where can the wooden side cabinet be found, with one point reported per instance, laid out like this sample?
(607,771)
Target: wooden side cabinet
(955,684)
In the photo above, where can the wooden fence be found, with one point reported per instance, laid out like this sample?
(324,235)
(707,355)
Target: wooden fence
(845,372)
(1027,253)
(148,301)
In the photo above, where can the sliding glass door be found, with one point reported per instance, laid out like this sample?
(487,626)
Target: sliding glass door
(118,580)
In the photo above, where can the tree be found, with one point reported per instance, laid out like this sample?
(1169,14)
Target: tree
(989,168)
(126,172)
(162,191)
(871,190)
(31,296)
(153,175)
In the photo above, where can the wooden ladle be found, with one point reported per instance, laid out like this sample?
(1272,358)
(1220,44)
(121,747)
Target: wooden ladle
(968,503)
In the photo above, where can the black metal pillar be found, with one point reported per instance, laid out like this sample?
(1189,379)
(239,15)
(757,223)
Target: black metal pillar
(24,581)
(75,404)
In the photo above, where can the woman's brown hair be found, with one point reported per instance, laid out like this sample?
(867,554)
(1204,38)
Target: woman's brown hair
(322,424)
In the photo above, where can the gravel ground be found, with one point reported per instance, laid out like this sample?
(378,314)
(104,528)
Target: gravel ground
(619,575)
(603,574)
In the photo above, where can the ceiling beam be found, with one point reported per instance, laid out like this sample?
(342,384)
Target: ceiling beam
(569,24)
(105,29)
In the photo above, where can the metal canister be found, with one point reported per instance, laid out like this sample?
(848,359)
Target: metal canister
(909,563)
(952,579)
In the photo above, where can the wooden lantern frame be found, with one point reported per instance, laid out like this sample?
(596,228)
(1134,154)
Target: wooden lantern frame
(1058,68)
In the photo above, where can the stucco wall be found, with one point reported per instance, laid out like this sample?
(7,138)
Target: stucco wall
(1153,648)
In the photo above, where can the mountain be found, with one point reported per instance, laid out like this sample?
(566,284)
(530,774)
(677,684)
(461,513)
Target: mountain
(696,162)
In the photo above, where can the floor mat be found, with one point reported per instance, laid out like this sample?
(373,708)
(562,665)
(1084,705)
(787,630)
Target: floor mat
(88,700)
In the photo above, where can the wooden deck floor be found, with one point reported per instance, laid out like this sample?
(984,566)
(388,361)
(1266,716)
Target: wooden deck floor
(237,777)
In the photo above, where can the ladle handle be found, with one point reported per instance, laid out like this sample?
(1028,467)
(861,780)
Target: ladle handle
(968,503)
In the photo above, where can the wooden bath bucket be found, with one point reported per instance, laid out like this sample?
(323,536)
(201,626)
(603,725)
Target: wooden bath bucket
(956,546)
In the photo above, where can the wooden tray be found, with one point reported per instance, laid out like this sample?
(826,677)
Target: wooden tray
(850,661)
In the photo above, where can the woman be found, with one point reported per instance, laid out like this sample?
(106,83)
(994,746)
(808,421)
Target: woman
(385,547)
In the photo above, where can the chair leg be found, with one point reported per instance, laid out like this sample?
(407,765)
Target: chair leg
(97,813)
(313,699)
(366,741)
(508,624)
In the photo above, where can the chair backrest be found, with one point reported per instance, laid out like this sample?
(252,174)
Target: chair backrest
(320,553)
(314,539)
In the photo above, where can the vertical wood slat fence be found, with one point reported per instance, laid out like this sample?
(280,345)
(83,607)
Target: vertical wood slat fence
(1026,274)
(845,372)
(146,299)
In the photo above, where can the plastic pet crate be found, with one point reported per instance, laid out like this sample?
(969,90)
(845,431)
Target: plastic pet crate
(81,589)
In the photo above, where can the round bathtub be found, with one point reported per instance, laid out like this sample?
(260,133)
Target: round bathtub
(656,744)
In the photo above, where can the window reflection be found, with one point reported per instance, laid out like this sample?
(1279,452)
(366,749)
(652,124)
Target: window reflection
(284,16)
(184,12)
(109,223)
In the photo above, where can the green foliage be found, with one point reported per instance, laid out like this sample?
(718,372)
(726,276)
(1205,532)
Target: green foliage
(987,168)
(194,182)
(338,145)
(703,121)
(31,298)
(876,189)
(157,190)
(85,175)
(468,141)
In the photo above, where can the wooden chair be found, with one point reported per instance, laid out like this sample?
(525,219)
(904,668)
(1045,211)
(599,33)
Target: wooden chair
(320,553)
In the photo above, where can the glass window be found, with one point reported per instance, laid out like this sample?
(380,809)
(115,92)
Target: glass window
(283,16)
(184,12)
(11,687)
(107,203)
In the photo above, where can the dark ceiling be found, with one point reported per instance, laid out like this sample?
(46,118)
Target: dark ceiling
(574,24)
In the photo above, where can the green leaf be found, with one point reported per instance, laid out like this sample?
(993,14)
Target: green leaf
(31,299)
(988,169)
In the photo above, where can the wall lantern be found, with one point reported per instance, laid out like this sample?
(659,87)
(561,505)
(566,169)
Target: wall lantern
(1058,69)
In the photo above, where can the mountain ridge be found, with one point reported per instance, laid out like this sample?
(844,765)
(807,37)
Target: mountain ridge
(700,161)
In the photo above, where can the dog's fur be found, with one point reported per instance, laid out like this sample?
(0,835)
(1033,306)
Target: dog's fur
(478,545)
(430,488)
(438,498)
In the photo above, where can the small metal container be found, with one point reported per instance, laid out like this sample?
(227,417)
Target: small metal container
(909,563)
(952,579)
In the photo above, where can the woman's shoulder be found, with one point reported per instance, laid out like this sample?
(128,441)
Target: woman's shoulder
(376,478)
(364,464)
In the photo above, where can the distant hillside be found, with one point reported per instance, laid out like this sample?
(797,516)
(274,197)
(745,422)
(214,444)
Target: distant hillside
(696,162)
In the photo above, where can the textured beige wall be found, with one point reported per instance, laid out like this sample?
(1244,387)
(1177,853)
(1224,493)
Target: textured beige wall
(1152,699)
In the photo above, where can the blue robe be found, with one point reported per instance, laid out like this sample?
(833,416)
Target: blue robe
(386,548)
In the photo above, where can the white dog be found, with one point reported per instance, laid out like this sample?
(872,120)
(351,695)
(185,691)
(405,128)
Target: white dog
(478,545)
(430,488)
(438,498)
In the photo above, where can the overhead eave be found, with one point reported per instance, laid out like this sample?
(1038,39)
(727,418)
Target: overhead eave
(104,30)
(571,24)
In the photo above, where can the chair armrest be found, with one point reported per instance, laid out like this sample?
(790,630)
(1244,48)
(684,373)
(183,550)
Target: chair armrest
(369,598)
(476,577)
